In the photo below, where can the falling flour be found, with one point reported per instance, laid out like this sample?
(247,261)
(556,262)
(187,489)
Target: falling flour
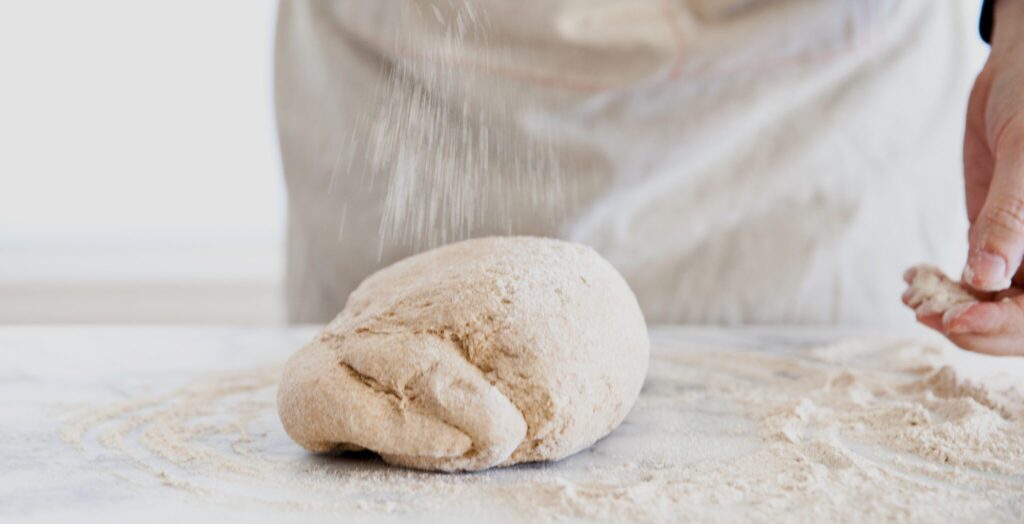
(454,159)
(861,430)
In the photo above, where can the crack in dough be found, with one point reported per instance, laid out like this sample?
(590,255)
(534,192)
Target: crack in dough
(486,352)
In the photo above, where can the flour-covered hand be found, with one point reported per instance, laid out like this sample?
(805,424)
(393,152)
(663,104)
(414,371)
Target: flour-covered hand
(994,158)
(994,184)
(991,323)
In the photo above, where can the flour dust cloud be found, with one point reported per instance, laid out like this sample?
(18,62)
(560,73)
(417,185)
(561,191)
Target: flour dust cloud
(453,158)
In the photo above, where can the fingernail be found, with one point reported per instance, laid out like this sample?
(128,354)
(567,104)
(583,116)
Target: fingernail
(986,271)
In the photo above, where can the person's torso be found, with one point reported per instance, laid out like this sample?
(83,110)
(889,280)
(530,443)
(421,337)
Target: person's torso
(740,161)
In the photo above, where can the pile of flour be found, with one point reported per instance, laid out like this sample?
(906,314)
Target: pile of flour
(863,429)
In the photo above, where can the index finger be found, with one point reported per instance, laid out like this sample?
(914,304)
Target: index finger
(997,235)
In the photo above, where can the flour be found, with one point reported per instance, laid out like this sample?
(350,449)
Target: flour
(932,292)
(451,169)
(649,118)
(860,430)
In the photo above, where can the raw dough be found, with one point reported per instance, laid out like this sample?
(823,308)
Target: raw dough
(932,292)
(487,352)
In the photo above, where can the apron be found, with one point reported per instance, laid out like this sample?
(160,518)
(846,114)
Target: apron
(738,161)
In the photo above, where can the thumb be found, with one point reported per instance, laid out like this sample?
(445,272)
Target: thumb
(997,236)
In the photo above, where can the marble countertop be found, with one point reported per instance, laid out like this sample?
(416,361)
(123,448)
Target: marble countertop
(91,422)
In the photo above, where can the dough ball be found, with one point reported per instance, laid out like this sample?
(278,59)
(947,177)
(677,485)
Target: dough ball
(487,352)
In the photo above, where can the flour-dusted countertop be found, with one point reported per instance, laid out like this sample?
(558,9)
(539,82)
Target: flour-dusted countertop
(168,424)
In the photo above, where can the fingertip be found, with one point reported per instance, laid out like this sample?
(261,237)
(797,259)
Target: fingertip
(931,320)
(909,274)
(967,277)
(986,271)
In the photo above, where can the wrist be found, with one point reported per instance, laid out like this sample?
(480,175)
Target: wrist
(1008,26)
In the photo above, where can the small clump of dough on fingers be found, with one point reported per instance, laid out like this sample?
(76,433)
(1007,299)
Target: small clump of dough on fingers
(931,292)
(487,352)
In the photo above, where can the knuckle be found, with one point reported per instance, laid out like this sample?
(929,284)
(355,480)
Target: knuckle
(1009,132)
(1007,213)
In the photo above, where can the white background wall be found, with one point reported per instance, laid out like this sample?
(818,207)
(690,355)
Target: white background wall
(139,165)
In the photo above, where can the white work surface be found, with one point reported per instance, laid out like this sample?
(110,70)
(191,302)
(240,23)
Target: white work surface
(85,412)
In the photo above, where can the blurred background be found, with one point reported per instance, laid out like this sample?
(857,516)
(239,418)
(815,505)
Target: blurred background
(141,179)
(139,166)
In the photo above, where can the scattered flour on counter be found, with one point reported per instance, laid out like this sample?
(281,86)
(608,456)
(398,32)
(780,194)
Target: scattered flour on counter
(860,430)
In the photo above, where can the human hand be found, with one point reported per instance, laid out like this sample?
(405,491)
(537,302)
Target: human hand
(994,186)
(994,158)
(990,323)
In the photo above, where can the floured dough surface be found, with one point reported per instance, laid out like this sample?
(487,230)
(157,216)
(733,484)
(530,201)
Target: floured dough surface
(487,352)
(932,292)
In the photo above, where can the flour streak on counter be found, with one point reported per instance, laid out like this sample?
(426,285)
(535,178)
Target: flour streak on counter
(771,424)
